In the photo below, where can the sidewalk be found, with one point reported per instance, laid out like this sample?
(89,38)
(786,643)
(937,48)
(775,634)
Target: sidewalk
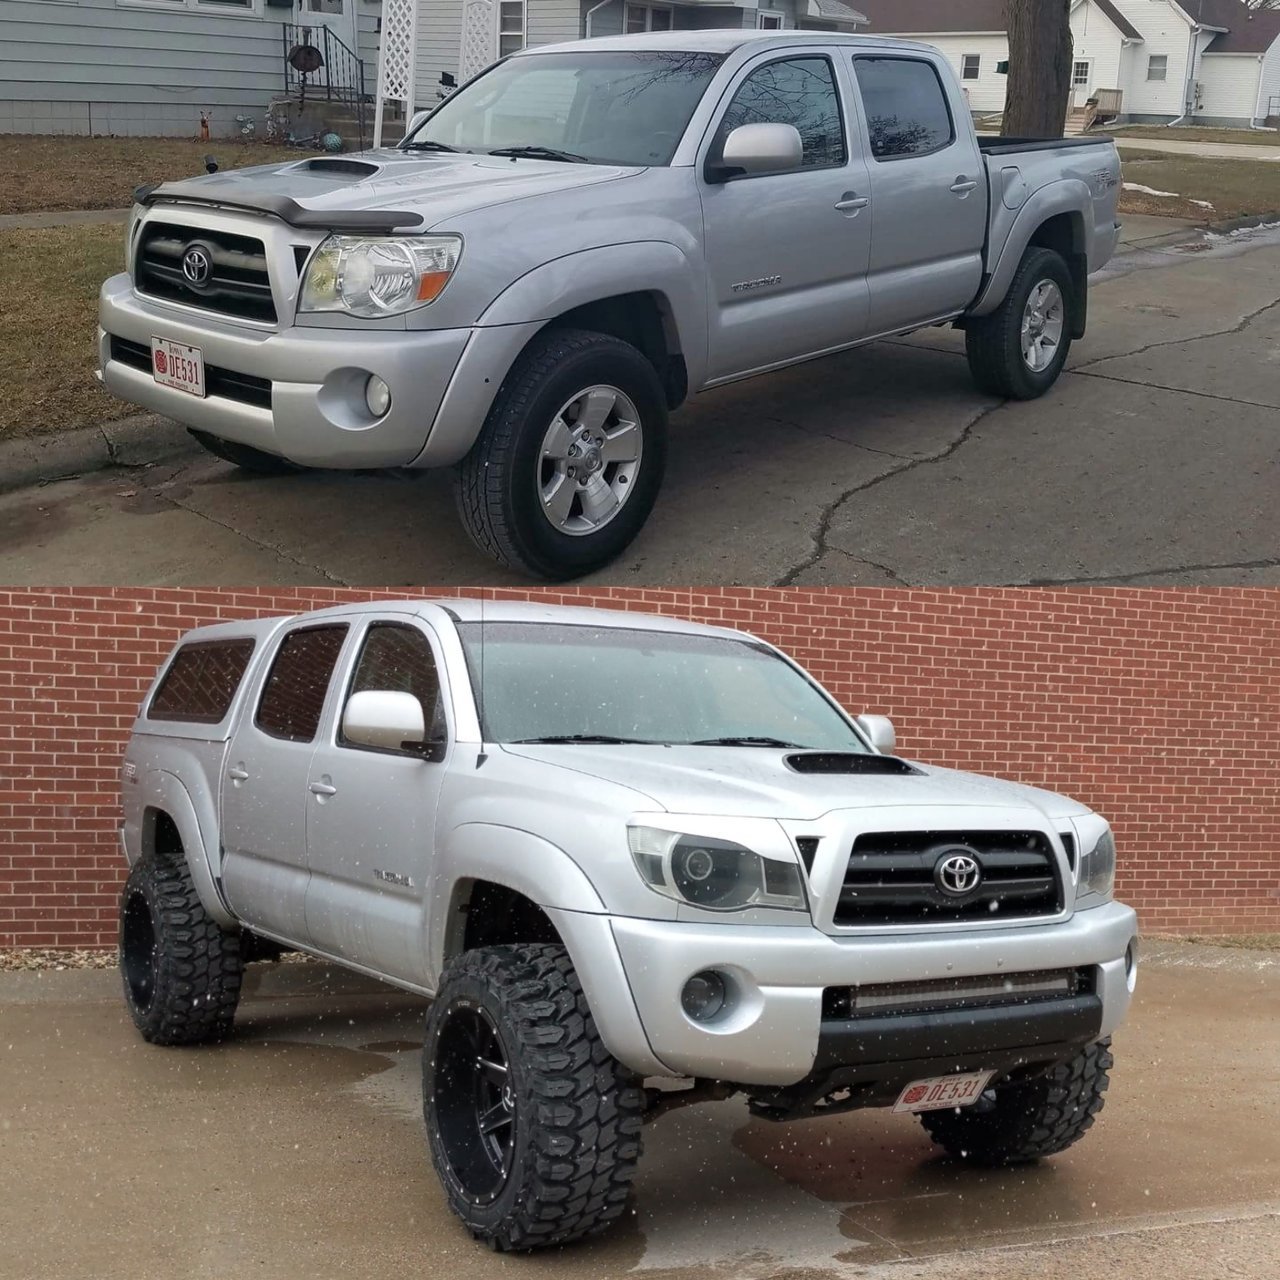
(1207,150)
(61,218)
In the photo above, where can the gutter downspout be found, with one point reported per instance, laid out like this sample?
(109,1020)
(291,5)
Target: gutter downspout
(1260,112)
(1188,98)
(591,13)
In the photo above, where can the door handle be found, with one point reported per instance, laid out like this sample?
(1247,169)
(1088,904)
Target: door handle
(851,203)
(962,185)
(238,773)
(323,789)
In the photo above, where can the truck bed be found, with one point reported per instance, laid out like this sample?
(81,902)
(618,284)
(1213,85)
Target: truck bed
(995,146)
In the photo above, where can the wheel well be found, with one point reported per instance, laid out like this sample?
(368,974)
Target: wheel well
(490,915)
(644,320)
(1064,234)
(160,835)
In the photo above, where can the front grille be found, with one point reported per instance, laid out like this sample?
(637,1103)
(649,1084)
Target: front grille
(890,878)
(237,283)
(247,388)
(942,995)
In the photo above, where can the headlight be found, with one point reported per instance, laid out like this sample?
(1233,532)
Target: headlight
(717,875)
(1098,869)
(373,276)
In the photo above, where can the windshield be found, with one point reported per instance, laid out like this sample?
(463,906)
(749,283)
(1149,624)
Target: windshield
(546,681)
(603,108)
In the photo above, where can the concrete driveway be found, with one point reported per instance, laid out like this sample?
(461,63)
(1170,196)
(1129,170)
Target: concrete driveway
(1155,460)
(296,1149)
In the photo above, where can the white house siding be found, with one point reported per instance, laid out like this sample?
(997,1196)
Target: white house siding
(439,40)
(552,21)
(1164,31)
(986,93)
(1228,87)
(1269,92)
(1098,42)
(98,67)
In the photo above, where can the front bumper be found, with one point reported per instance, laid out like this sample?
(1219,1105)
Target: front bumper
(774,1033)
(316,414)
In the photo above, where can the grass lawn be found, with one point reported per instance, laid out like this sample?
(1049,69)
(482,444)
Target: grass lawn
(1233,188)
(46,376)
(38,173)
(1245,137)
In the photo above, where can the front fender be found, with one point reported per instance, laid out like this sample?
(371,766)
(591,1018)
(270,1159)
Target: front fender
(195,821)
(1069,196)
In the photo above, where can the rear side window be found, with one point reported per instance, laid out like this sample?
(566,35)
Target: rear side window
(293,696)
(906,107)
(201,682)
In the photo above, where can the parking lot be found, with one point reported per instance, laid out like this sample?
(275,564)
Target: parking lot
(297,1149)
(1153,461)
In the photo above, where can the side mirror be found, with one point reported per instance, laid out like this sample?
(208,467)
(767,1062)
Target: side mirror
(881,732)
(415,120)
(757,148)
(386,721)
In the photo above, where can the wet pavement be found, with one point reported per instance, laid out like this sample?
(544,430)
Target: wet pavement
(1153,461)
(296,1149)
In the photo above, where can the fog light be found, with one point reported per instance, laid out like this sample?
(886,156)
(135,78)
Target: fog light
(1131,964)
(703,996)
(377,395)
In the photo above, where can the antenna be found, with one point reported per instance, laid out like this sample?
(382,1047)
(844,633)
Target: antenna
(484,755)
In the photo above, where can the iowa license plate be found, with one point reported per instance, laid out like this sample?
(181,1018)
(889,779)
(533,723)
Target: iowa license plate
(937,1092)
(173,364)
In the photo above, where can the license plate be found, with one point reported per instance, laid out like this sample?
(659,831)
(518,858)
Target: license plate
(173,364)
(937,1092)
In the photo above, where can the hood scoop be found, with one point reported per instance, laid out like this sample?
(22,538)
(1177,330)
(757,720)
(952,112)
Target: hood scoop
(355,169)
(849,762)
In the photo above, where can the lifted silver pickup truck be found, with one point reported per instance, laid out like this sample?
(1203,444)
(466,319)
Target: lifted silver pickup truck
(577,239)
(638,863)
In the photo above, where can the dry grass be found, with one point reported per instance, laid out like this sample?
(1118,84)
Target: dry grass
(39,174)
(46,376)
(30,959)
(1234,188)
(1241,941)
(1242,137)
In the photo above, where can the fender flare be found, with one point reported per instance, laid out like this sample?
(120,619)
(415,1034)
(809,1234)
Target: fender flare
(1067,195)
(166,793)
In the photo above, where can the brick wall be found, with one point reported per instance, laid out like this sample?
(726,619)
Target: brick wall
(1161,709)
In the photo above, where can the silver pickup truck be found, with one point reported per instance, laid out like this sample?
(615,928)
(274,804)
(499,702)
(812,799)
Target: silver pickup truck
(637,863)
(563,250)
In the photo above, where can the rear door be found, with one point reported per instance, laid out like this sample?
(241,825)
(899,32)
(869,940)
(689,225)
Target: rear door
(787,253)
(928,192)
(264,785)
(371,813)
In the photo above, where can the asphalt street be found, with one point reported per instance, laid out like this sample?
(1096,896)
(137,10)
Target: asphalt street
(296,1149)
(1156,460)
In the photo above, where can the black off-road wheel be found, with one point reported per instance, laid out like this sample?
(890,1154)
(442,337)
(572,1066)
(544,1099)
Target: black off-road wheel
(1018,1123)
(244,456)
(1019,351)
(181,969)
(533,1126)
(570,459)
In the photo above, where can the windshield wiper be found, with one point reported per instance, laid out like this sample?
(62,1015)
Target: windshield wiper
(603,739)
(426,145)
(540,153)
(745,742)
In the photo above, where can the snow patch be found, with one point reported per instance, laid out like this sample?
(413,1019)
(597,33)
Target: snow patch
(1151,191)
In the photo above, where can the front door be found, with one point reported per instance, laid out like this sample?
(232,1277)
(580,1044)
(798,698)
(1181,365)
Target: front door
(340,17)
(786,253)
(264,785)
(371,813)
(1081,82)
(928,193)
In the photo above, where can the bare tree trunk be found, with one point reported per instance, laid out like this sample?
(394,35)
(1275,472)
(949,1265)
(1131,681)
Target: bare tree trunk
(1040,51)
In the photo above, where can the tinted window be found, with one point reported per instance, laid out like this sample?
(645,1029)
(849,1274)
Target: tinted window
(201,682)
(907,112)
(398,658)
(799,92)
(293,697)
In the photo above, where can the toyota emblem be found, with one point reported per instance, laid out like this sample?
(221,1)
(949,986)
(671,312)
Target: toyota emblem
(957,874)
(196,266)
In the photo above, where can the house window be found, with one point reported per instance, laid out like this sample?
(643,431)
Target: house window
(647,17)
(971,66)
(510,27)
(1157,66)
(227,8)
(1080,75)
(769,21)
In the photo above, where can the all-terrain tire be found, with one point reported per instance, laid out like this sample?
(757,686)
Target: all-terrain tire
(994,343)
(245,456)
(576,1112)
(496,483)
(1018,1123)
(181,970)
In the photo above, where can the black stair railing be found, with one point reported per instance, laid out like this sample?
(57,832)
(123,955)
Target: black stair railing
(320,65)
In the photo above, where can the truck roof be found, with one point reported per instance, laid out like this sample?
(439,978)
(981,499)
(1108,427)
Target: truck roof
(466,610)
(718,41)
